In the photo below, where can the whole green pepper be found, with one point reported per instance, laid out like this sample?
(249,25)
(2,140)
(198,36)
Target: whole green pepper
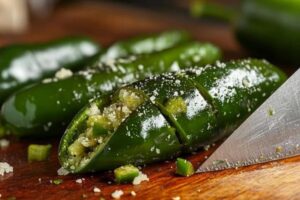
(22,64)
(44,109)
(144,45)
(268,28)
(271,28)
(160,117)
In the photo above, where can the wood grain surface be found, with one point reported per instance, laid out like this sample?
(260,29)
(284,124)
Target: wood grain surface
(106,23)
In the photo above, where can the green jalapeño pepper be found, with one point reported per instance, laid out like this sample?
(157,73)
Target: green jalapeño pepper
(162,116)
(134,46)
(144,45)
(44,109)
(22,64)
(269,28)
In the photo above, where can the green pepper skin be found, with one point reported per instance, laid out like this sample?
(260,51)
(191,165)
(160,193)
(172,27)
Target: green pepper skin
(23,64)
(184,167)
(28,113)
(239,87)
(215,91)
(44,109)
(126,173)
(141,137)
(144,45)
(42,60)
(198,122)
(270,28)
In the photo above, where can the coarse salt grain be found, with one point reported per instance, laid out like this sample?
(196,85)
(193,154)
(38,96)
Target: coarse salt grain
(117,194)
(133,193)
(47,80)
(152,98)
(94,110)
(140,178)
(62,171)
(63,73)
(4,143)
(176,198)
(175,67)
(157,151)
(5,168)
(79,181)
(206,147)
(96,190)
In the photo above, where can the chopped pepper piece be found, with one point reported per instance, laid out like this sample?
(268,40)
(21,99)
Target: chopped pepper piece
(184,167)
(126,173)
(57,181)
(38,152)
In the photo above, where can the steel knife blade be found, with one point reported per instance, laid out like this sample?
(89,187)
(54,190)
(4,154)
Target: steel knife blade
(272,132)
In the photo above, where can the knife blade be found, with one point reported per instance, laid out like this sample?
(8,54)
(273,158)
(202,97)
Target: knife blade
(272,132)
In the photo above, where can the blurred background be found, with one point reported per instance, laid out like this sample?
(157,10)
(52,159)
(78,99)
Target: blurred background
(107,20)
(267,28)
(16,15)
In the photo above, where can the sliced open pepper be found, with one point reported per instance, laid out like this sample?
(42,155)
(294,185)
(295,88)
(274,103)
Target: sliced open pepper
(142,126)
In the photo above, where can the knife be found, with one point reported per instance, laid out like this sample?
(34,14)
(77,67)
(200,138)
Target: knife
(271,133)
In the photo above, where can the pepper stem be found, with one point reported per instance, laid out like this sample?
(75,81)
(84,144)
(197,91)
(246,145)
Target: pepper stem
(204,9)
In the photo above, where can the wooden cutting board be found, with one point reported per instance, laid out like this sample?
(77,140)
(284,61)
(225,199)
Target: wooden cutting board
(106,23)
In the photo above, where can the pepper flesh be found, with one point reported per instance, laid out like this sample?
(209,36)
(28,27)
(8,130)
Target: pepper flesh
(151,133)
(26,114)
